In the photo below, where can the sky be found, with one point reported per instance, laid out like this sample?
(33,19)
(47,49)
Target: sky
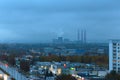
(43,20)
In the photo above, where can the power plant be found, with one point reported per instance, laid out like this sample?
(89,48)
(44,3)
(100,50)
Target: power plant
(83,36)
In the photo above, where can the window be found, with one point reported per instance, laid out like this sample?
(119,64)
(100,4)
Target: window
(118,61)
(114,44)
(118,57)
(119,68)
(114,54)
(114,47)
(118,51)
(114,68)
(114,64)
(114,61)
(114,57)
(114,50)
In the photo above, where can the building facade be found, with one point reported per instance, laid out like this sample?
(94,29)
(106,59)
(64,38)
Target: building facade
(114,55)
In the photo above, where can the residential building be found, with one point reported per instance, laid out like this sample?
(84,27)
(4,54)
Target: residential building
(114,55)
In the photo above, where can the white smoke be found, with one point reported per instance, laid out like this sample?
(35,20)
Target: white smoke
(58,32)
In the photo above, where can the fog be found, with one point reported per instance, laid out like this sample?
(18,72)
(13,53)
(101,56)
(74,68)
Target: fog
(43,20)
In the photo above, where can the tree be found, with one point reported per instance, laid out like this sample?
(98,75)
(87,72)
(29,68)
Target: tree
(25,65)
(65,77)
(11,59)
(112,76)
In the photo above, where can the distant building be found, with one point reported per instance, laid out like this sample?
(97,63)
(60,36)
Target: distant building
(55,40)
(100,51)
(49,76)
(48,49)
(59,40)
(114,55)
(66,40)
(55,68)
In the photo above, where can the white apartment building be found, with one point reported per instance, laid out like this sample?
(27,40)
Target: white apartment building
(114,55)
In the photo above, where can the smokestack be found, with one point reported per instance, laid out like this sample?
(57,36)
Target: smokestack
(84,36)
(78,35)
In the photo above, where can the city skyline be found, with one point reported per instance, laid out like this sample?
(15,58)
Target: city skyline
(44,20)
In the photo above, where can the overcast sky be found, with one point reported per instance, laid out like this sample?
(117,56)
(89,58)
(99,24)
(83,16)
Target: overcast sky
(43,20)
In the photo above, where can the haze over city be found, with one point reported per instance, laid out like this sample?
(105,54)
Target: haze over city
(43,20)
(59,39)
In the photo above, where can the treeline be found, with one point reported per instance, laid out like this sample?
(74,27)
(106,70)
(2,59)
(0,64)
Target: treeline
(100,60)
(10,60)
(112,76)
(65,77)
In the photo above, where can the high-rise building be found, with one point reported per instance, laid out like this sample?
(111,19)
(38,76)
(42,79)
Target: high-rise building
(114,55)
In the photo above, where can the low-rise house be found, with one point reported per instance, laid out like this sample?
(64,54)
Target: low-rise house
(49,76)
(102,73)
